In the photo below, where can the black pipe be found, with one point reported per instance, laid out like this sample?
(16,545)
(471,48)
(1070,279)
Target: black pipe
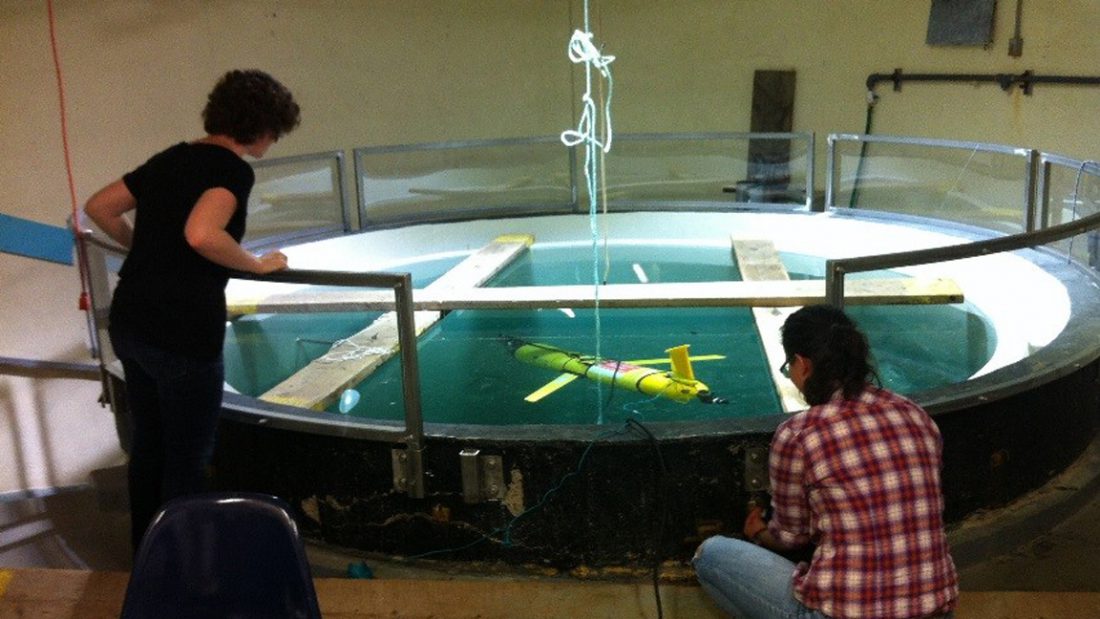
(872,98)
(1025,80)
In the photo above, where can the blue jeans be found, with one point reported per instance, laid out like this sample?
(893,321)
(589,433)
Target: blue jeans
(174,403)
(750,582)
(747,581)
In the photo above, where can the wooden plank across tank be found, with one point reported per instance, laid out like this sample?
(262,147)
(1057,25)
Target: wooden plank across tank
(758,260)
(769,293)
(349,361)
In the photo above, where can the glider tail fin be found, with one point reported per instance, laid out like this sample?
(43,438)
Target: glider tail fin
(681,362)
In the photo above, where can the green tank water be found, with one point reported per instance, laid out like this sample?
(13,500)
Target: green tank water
(470,375)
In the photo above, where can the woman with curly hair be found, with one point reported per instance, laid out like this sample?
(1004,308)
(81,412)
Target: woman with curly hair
(167,320)
(857,479)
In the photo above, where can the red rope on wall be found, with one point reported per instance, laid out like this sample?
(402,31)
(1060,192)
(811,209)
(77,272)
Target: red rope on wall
(81,254)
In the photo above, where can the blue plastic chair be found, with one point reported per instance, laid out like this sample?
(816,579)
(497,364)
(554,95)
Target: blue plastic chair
(221,555)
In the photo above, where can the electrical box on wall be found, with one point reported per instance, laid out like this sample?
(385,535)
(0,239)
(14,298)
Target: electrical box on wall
(961,22)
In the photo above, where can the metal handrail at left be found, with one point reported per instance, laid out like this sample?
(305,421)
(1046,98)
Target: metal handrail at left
(412,434)
(36,368)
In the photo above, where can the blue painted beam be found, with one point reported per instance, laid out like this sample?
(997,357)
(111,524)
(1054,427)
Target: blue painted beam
(31,239)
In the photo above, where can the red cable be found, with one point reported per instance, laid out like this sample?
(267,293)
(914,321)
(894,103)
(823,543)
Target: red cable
(81,254)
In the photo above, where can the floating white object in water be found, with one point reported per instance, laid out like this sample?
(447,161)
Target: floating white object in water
(348,399)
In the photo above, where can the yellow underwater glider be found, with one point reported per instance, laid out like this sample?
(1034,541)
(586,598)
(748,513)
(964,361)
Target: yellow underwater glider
(679,384)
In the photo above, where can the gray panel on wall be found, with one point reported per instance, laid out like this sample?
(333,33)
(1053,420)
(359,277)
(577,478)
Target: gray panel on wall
(772,112)
(961,22)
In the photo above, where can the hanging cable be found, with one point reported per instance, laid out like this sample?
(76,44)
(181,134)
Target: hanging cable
(84,301)
(872,99)
(595,136)
(503,534)
(660,506)
(958,179)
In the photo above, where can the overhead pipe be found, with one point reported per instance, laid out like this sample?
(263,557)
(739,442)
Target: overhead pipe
(1025,80)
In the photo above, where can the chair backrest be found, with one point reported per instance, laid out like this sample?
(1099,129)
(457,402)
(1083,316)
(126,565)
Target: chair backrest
(221,555)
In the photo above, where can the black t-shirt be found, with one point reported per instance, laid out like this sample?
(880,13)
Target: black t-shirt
(169,295)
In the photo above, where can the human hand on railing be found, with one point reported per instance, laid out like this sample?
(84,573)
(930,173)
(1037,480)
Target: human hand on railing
(271,262)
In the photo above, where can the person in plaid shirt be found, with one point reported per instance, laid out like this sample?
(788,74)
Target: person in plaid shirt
(857,477)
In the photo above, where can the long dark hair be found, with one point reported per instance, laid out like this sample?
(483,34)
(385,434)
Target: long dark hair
(837,348)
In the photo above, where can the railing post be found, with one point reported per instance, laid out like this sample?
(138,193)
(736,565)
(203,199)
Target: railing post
(810,159)
(1030,189)
(574,192)
(1043,193)
(834,283)
(830,172)
(360,198)
(410,379)
(99,294)
(343,193)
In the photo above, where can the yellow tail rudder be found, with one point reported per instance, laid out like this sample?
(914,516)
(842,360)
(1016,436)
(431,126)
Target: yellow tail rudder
(681,362)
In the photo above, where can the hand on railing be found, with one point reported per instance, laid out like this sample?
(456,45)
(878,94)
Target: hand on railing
(270,262)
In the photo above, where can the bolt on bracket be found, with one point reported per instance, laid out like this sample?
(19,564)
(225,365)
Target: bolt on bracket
(756,469)
(408,471)
(482,476)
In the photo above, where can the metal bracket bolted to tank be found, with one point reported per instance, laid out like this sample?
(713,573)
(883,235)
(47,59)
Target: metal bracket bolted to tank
(482,476)
(408,471)
(756,469)
(408,463)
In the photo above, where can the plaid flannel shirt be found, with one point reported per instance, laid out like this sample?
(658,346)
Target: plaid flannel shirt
(860,479)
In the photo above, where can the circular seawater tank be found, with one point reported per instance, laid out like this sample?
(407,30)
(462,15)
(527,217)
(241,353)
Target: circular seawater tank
(578,481)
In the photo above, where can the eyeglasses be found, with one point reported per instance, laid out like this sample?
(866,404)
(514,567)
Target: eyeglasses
(785,369)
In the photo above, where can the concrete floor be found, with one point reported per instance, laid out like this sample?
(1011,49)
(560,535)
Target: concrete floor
(1057,550)
(1047,542)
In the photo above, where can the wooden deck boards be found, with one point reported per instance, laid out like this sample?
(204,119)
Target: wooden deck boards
(759,261)
(349,361)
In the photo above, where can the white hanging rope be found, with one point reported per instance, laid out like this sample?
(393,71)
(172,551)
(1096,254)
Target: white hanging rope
(582,50)
(595,136)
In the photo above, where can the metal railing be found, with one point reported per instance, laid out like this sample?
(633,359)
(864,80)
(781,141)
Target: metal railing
(1036,213)
(1047,164)
(447,181)
(415,183)
(411,435)
(31,368)
(836,269)
(1027,157)
(310,195)
(1035,218)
